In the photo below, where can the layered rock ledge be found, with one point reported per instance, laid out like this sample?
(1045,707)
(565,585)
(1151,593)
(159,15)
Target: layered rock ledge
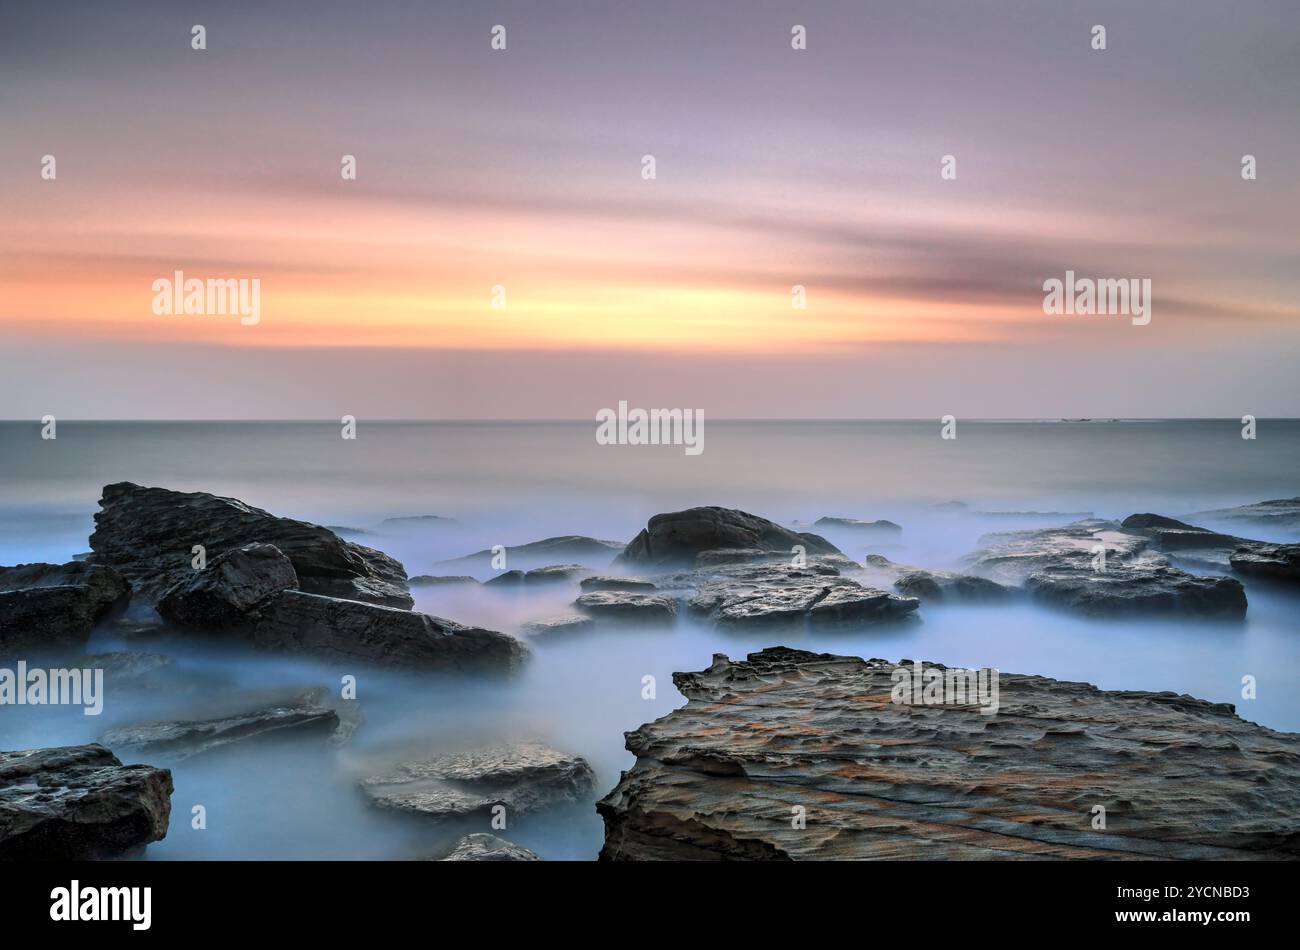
(725,776)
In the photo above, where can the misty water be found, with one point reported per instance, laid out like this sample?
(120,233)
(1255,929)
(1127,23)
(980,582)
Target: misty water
(511,483)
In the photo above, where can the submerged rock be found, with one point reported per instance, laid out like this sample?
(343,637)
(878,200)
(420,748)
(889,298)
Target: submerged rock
(55,605)
(429,580)
(298,622)
(780,594)
(181,739)
(931,586)
(1224,551)
(677,537)
(1282,514)
(612,582)
(79,803)
(148,534)
(569,547)
(881,527)
(485,847)
(1280,562)
(1062,567)
(551,574)
(629,606)
(525,778)
(232,588)
(557,627)
(787,734)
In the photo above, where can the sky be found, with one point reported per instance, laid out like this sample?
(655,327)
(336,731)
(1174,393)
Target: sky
(522,169)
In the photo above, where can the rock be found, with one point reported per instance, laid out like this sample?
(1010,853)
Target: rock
(180,739)
(1279,562)
(1221,551)
(881,527)
(931,586)
(525,778)
(677,537)
(542,575)
(628,606)
(417,521)
(1056,566)
(233,587)
(55,605)
(296,622)
(1282,514)
(485,847)
(779,594)
(717,779)
(148,533)
(428,580)
(569,547)
(610,582)
(557,627)
(79,803)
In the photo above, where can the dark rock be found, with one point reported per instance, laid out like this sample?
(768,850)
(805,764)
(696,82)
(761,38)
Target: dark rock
(931,586)
(677,537)
(1168,534)
(570,547)
(1279,562)
(525,778)
(541,575)
(780,594)
(485,847)
(629,606)
(610,582)
(79,803)
(721,777)
(148,534)
(230,590)
(296,622)
(881,527)
(55,605)
(506,579)
(429,580)
(302,714)
(557,627)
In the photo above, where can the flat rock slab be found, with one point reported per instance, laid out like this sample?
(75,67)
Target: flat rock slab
(779,594)
(1279,562)
(1280,513)
(148,534)
(79,803)
(295,622)
(556,627)
(612,582)
(570,547)
(1058,567)
(628,606)
(721,777)
(485,847)
(55,605)
(302,715)
(551,574)
(525,778)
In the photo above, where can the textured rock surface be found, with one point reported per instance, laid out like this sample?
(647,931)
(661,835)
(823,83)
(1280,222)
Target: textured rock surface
(623,605)
(230,589)
(303,714)
(527,777)
(677,537)
(551,574)
(55,605)
(1224,551)
(297,622)
(1279,562)
(1057,567)
(79,803)
(939,586)
(485,847)
(612,582)
(430,580)
(779,594)
(718,778)
(148,533)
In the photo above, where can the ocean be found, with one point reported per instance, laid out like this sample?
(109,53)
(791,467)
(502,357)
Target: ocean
(509,483)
